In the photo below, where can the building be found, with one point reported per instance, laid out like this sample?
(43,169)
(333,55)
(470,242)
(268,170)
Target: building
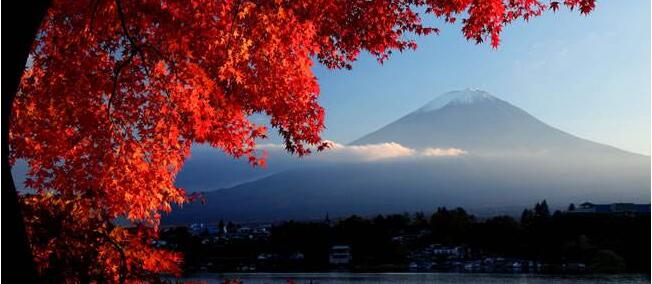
(613,208)
(340,255)
(198,228)
(446,251)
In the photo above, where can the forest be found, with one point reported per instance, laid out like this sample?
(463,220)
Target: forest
(559,242)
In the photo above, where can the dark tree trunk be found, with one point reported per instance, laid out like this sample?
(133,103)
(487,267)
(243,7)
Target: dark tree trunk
(20,29)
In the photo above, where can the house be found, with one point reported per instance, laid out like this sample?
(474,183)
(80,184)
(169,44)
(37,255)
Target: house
(340,255)
(198,228)
(446,251)
(613,208)
(261,232)
(297,256)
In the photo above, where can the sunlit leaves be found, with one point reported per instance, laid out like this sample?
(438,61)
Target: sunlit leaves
(118,91)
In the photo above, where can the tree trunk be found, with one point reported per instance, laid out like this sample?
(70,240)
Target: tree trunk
(19,36)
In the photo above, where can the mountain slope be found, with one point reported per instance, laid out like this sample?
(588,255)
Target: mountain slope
(477,122)
(513,160)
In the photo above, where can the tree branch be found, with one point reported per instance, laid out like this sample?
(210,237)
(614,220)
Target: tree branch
(123,257)
(96,5)
(125,30)
(116,78)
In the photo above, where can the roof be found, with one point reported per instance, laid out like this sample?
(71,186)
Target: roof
(616,208)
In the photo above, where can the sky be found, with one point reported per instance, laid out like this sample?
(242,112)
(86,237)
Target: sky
(586,75)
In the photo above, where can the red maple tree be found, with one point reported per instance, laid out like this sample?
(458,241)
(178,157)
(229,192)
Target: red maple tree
(116,91)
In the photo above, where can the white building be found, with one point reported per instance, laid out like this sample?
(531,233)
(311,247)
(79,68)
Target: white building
(340,255)
(439,250)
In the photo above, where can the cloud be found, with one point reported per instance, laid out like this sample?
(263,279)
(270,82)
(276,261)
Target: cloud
(441,152)
(270,146)
(370,152)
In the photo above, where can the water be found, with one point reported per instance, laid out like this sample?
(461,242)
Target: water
(443,278)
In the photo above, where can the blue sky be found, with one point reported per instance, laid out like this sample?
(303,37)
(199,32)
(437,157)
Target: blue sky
(587,75)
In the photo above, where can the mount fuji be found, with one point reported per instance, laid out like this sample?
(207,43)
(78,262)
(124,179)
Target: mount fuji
(480,123)
(511,160)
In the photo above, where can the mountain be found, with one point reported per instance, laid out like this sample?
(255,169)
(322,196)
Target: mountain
(512,160)
(480,123)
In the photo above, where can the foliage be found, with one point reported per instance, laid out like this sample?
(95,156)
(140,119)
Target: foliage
(611,243)
(116,92)
(449,225)
(607,261)
(90,248)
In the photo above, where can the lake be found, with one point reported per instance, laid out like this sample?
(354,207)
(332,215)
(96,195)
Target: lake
(444,278)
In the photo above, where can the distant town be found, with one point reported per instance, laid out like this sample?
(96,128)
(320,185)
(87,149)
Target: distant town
(606,238)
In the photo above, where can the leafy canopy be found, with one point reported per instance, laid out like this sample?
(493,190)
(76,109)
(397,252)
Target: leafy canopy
(117,91)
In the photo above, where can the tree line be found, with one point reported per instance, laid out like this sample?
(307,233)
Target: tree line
(611,243)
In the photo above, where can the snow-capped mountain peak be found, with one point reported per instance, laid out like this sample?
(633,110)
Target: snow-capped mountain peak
(466,96)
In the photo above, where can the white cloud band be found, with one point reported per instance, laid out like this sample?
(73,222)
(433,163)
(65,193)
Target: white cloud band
(372,152)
